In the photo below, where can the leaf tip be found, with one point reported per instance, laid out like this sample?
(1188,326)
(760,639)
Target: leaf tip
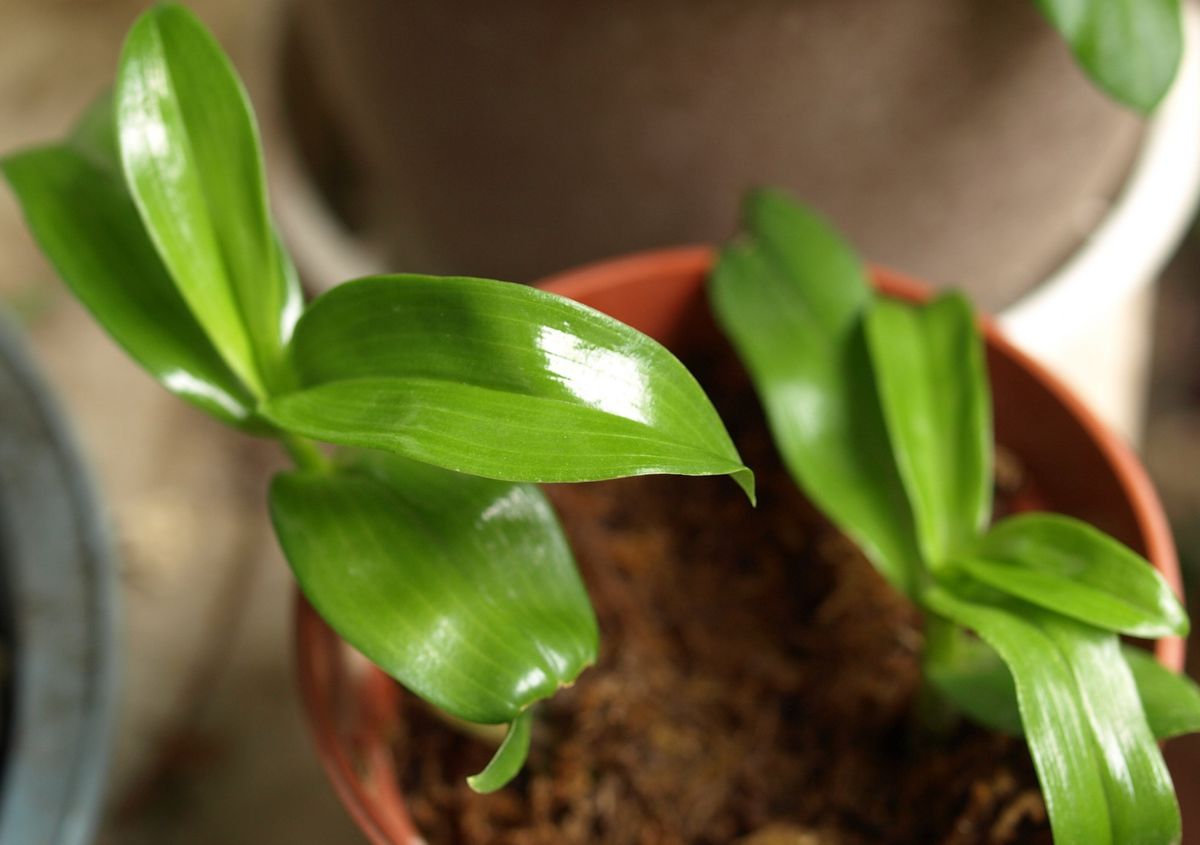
(508,759)
(744,478)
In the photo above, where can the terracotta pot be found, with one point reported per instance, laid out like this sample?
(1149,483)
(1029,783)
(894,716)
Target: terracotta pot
(956,138)
(1078,466)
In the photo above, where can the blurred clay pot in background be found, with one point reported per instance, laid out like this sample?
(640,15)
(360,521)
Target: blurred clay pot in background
(1077,466)
(956,138)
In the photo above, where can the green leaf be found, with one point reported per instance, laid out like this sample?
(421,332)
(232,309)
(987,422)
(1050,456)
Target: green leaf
(1130,48)
(1141,797)
(509,758)
(1171,701)
(191,155)
(1101,772)
(1052,715)
(498,380)
(1067,566)
(976,681)
(461,588)
(790,296)
(932,379)
(85,222)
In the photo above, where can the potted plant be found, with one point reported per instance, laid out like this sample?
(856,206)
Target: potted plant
(154,212)
(422,543)
(1070,464)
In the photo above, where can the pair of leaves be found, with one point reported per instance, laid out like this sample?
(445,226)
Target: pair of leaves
(1056,590)
(1131,48)
(86,223)
(462,587)
(172,249)
(790,295)
(154,213)
(1102,774)
(880,411)
(192,160)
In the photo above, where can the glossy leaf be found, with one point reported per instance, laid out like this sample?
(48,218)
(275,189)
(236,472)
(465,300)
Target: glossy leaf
(1141,797)
(1131,48)
(975,680)
(509,758)
(790,295)
(1171,701)
(1051,713)
(497,380)
(929,366)
(85,222)
(461,588)
(1101,772)
(1069,567)
(190,151)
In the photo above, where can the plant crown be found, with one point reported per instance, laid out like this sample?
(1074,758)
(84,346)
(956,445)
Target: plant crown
(881,411)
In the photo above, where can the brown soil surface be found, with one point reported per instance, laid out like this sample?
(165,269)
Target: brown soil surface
(756,686)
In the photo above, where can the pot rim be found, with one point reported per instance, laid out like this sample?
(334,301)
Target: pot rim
(379,808)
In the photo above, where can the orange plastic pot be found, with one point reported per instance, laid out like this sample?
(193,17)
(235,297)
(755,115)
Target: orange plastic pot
(1078,466)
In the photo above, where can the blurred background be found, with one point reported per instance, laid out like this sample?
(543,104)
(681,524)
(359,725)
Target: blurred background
(955,140)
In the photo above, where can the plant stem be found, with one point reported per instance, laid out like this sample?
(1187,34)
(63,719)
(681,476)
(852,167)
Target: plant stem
(934,712)
(305,453)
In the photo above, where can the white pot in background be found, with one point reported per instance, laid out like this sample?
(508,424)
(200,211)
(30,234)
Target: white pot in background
(1091,321)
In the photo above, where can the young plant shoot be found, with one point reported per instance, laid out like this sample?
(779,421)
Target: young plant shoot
(425,544)
(881,412)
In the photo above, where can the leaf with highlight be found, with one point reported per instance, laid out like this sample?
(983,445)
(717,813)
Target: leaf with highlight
(86,224)
(1101,772)
(790,295)
(498,380)
(190,151)
(929,366)
(461,588)
(1069,567)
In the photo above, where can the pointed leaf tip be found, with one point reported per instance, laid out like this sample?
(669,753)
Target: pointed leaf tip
(744,478)
(509,757)
(497,380)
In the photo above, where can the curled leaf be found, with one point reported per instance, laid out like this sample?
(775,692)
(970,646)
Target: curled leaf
(509,757)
